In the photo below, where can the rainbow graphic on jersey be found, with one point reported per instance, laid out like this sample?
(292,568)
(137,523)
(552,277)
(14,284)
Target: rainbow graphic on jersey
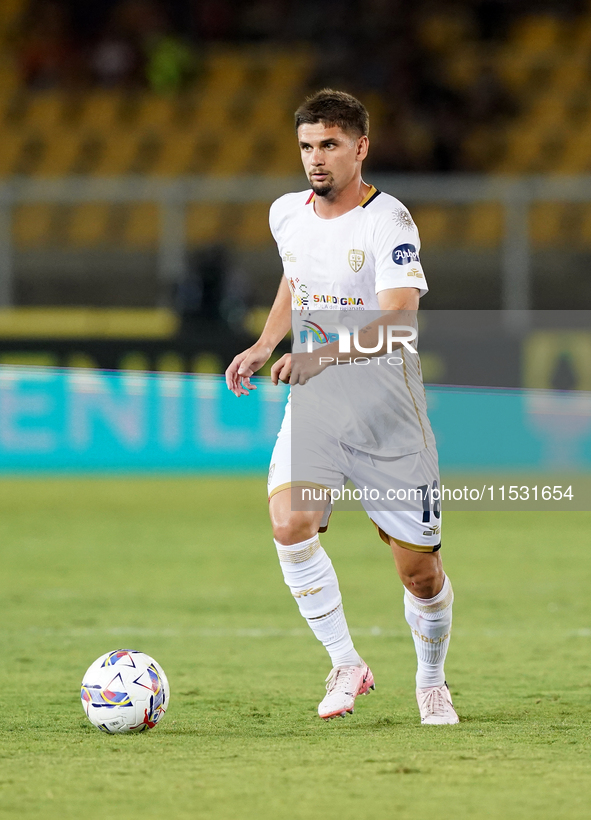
(319,335)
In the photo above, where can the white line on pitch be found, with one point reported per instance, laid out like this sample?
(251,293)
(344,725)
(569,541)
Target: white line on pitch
(264,632)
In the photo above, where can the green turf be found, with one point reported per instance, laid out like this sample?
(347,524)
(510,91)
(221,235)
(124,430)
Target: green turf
(185,570)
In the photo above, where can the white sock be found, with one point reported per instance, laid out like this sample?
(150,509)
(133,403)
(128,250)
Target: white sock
(430,624)
(310,575)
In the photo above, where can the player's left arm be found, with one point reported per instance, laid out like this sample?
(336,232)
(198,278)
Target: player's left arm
(399,299)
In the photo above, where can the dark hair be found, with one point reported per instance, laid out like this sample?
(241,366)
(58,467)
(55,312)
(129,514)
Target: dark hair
(334,108)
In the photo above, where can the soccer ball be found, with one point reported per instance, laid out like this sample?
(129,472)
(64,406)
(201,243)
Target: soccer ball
(125,691)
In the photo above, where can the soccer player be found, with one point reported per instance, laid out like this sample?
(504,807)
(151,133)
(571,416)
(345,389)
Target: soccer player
(346,243)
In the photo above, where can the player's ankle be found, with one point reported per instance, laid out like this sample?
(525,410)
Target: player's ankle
(351,658)
(429,675)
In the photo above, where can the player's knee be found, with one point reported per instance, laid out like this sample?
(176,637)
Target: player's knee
(423,582)
(294,527)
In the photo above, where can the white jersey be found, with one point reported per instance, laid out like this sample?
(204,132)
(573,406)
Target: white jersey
(341,264)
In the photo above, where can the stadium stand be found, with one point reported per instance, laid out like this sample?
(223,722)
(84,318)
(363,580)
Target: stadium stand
(480,87)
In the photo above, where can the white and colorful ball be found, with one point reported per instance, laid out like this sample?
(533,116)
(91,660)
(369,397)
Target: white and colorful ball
(125,691)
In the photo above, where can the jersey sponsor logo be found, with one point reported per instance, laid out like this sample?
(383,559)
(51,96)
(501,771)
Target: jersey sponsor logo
(288,257)
(405,254)
(356,259)
(403,219)
(415,272)
(329,299)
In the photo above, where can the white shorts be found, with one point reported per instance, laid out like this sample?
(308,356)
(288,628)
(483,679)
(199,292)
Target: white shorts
(397,493)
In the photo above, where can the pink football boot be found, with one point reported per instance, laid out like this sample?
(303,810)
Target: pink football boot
(342,687)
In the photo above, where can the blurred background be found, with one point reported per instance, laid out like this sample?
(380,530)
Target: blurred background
(143,142)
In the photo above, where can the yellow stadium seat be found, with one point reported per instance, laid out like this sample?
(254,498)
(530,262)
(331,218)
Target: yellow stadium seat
(462,67)
(101,110)
(119,151)
(585,228)
(584,121)
(9,78)
(442,32)
(524,148)
(546,221)
(207,144)
(278,153)
(6,101)
(284,81)
(538,33)
(576,155)
(253,230)
(515,68)
(266,115)
(484,225)
(45,110)
(273,149)
(581,34)
(10,10)
(235,152)
(12,146)
(176,155)
(571,73)
(546,61)
(478,145)
(204,223)
(226,77)
(32,225)
(61,151)
(286,72)
(213,107)
(156,112)
(548,110)
(89,224)
(433,222)
(142,229)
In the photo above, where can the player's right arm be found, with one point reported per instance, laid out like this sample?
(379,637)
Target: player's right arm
(245,364)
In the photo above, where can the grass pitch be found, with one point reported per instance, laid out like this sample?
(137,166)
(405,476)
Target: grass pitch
(185,570)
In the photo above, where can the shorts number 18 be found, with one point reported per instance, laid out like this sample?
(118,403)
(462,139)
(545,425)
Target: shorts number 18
(427,493)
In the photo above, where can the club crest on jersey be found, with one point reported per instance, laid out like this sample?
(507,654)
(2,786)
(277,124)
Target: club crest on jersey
(356,259)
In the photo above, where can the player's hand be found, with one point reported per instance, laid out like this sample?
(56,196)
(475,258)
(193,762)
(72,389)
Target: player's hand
(243,366)
(281,370)
(304,366)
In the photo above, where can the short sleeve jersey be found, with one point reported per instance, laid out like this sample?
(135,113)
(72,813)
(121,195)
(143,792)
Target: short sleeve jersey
(345,262)
(342,264)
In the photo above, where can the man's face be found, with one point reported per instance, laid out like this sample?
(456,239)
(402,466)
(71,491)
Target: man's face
(331,157)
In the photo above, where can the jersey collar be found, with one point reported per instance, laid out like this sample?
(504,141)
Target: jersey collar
(369,197)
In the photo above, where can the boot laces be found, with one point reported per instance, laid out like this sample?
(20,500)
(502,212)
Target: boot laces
(340,678)
(435,702)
